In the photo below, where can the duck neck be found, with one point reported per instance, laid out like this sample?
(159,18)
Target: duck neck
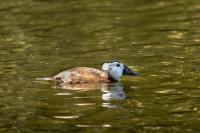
(111,78)
(106,77)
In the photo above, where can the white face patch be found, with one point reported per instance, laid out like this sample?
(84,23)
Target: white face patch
(115,69)
(105,66)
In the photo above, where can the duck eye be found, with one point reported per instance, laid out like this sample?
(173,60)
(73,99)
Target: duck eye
(118,65)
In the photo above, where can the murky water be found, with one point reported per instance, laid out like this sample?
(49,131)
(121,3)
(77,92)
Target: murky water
(160,39)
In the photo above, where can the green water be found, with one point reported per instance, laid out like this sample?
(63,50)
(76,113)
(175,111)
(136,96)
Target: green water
(160,39)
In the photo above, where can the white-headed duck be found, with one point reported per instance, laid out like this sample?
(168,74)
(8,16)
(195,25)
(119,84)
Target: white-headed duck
(110,72)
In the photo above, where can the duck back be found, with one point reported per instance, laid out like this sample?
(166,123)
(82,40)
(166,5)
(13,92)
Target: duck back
(80,75)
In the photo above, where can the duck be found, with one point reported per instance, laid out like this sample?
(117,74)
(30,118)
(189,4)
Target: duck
(111,71)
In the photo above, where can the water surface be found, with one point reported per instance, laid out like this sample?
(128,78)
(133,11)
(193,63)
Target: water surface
(159,39)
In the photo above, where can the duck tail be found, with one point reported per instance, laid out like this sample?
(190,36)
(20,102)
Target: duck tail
(45,79)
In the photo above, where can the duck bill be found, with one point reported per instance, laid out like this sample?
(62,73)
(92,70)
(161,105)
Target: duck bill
(128,72)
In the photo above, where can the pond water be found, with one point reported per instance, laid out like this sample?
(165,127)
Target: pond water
(159,39)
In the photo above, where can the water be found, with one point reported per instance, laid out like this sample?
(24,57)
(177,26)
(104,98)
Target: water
(159,39)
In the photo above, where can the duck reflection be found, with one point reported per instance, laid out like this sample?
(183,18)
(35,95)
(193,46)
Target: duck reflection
(110,91)
(113,91)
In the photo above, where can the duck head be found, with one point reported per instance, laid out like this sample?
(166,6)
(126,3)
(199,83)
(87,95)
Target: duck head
(117,69)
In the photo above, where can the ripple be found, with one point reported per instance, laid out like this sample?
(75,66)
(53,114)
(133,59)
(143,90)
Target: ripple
(85,104)
(66,117)
(165,91)
(176,35)
(109,105)
(63,94)
(85,125)
(104,125)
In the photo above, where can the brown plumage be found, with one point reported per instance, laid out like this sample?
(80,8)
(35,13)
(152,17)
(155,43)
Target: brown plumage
(81,75)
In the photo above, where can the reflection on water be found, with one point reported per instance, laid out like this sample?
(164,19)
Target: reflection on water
(110,91)
(88,96)
(84,87)
(113,92)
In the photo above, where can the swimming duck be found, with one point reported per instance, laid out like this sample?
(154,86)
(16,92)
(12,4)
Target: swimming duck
(110,72)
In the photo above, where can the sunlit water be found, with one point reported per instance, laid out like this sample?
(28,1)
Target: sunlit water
(159,39)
